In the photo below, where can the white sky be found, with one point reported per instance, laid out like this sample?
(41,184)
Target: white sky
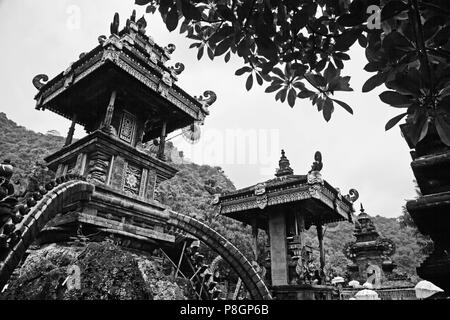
(45,36)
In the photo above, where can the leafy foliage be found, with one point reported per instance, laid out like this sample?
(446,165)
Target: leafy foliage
(294,44)
(25,148)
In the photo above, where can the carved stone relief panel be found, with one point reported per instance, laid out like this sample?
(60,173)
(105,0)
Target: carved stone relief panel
(98,167)
(132,179)
(151,185)
(127,127)
(117,172)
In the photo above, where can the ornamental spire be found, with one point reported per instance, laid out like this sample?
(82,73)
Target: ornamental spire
(284,166)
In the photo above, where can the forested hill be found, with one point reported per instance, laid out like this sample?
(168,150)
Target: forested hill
(191,192)
(24,147)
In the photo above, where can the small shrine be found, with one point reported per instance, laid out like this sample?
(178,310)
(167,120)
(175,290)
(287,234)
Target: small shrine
(284,208)
(370,253)
(124,94)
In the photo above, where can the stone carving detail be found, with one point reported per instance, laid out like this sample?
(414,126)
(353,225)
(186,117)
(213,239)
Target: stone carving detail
(151,184)
(110,55)
(374,275)
(114,42)
(167,79)
(114,27)
(317,165)
(101,39)
(177,69)
(207,99)
(169,49)
(127,127)
(260,189)
(40,80)
(132,179)
(98,167)
(352,196)
(163,90)
(117,172)
(262,201)
(388,246)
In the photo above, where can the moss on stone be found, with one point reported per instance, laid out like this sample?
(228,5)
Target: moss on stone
(108,272)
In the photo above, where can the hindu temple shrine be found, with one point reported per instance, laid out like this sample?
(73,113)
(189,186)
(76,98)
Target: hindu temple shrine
(284,208)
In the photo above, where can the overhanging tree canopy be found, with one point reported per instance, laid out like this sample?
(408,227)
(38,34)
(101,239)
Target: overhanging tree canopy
(300,47)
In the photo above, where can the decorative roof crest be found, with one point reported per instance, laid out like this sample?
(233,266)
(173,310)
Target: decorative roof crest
(284,166)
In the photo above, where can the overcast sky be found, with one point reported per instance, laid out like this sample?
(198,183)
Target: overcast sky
(246,130)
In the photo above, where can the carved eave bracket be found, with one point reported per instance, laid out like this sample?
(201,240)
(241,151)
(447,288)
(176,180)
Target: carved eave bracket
(40,81)
(169,50)
(207,99)
(176,70)
(352,196)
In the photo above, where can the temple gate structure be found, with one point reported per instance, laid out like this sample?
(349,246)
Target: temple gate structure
(370,253)
(285,207)
(371,263)
(124,94)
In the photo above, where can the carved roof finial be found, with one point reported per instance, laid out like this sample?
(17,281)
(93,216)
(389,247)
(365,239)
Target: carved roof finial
(133,16)
(114,28)
(362,208)
(317,165)
(284,166)
(142,24)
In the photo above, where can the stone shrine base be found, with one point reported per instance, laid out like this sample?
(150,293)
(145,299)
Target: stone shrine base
(305,292)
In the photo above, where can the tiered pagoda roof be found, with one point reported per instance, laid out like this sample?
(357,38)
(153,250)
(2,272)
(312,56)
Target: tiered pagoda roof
(320,202)
(369,243)
(126,59)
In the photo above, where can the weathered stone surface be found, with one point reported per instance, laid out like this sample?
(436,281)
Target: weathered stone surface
(108,272)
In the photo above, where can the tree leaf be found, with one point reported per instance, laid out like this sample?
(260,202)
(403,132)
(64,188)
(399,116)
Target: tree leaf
(393,8)
(305,94)
(391,123)
(346,40)
(395,99)
(259,79)
(172,18)
(419,126)
(142,2)
(328,109)
(442,37)
(374,81)
(210,53)
(442,122)
(331,72)
(291,97)
(344,105)
(200,52)
(283,93)
(266,47)
(225,12)
(273,88)
(223,47)
(249,83)
(227,56)
(243,70)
